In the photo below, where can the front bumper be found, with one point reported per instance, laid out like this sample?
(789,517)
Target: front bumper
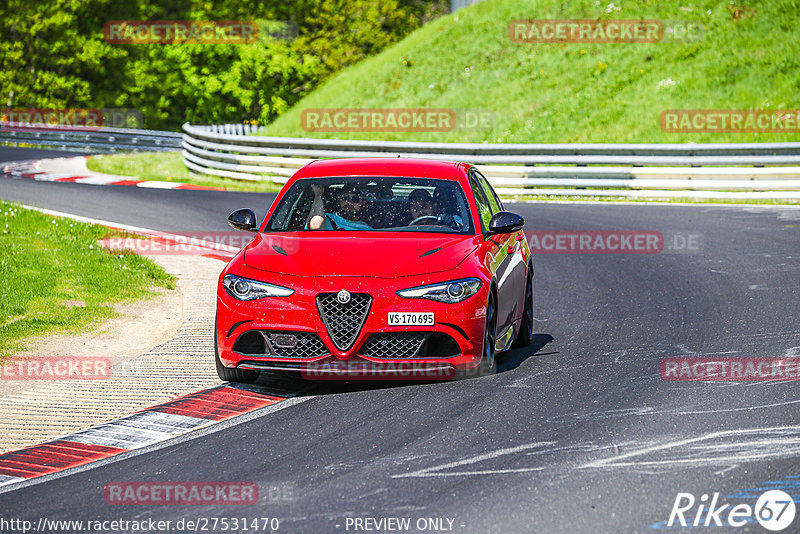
(462,322)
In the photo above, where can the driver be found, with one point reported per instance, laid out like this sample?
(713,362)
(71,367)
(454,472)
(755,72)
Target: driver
(423,209)
(350,205)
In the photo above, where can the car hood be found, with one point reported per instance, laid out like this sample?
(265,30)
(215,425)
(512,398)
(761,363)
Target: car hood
(384,256)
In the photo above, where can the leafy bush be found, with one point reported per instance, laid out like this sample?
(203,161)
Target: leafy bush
(54,55)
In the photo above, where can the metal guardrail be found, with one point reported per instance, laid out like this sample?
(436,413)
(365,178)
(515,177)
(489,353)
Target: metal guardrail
(101,140)
(229,151)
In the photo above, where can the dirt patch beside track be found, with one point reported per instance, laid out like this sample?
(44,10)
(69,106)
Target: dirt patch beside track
(158,349)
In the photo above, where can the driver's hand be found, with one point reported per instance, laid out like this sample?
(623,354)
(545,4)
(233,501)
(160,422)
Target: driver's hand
(445,219)
(318,189)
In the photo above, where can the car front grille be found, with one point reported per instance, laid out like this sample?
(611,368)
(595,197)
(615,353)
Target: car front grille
(343,321)
(406,345)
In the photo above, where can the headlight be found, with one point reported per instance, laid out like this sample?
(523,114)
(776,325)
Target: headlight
(246,289)
(450,292)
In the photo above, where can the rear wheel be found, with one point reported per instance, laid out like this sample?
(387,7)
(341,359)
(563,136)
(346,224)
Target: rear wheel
(230,374)
(488,365)
(525,334)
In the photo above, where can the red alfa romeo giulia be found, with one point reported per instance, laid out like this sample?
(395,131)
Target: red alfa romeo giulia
(393,268)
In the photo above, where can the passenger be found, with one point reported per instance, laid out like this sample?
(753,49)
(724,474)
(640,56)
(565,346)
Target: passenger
(350,203)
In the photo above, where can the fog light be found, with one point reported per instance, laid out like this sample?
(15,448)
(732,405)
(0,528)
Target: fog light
(284,341)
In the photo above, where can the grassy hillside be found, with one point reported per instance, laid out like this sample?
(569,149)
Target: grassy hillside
(748,58)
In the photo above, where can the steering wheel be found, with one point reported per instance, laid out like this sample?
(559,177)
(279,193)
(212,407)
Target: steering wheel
(434,218)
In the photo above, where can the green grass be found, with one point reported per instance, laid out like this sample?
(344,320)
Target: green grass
(749,58)
(56,278)
(168,167)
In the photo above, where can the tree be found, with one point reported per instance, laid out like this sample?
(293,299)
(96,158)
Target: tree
(54,55)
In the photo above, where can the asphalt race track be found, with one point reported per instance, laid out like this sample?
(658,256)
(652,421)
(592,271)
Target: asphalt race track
(8,153)
(581,436)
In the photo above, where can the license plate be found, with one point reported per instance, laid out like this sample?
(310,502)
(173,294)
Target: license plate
(411,319)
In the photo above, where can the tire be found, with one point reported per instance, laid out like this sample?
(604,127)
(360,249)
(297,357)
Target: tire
(488,365)
(525,334)
(230,374)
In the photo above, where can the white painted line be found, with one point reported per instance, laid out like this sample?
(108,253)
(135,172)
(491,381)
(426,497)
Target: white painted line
(420,474)
(96,180)
(90,220)
(51,176)
(159,185)
(783,442)
(435,470)
(136,229)
(7,480)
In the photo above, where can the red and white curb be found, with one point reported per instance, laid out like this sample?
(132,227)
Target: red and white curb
(153,425)
(32,169)
(187,414)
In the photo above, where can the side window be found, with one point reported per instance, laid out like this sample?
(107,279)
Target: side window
(494,201)
(484,209)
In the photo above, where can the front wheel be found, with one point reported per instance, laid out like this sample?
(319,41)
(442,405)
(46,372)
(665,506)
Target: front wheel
(525,335)
(488,365)
(229,374)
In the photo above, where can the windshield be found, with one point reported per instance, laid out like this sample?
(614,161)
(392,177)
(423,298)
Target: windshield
(373,203)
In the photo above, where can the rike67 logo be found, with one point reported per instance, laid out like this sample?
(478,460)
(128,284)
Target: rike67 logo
(774,510)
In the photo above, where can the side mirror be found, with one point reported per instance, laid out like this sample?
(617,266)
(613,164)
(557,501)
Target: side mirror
(505,222)
(243,219)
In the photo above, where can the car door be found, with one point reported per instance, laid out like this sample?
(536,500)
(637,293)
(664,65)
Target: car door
(499,249)
(517,248)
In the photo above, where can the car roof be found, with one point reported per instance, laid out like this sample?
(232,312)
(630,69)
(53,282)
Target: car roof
(420,168)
